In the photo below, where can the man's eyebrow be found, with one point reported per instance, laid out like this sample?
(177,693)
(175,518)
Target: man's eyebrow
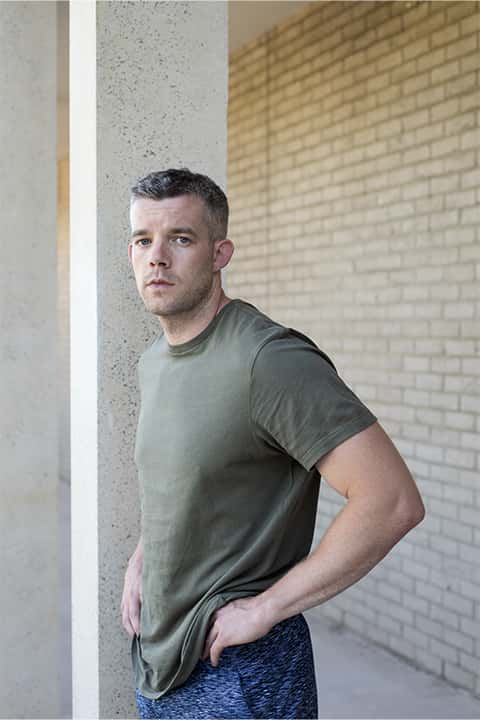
(139,232)
(174,231)
(183,231)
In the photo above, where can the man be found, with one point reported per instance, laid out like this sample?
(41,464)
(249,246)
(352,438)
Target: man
(239,418)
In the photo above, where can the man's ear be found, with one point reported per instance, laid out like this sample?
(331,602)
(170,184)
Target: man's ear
(130,250)
(222,253)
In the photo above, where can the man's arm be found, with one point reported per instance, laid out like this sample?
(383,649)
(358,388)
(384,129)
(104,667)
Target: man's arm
(383,505)
(132,592)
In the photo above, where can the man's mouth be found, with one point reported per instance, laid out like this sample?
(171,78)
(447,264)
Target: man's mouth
(159,283)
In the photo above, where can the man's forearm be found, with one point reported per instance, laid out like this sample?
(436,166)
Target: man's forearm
(360,535)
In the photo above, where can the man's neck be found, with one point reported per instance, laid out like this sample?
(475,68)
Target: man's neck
(179,330)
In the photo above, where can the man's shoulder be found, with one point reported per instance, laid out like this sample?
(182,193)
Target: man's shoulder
(270,340)
(250,328)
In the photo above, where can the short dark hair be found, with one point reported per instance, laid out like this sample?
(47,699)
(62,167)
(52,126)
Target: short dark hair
(181,181)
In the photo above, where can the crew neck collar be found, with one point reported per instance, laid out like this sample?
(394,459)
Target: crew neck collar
(183,348)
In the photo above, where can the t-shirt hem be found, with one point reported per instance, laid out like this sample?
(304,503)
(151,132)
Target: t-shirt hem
(330,441)
(146,694)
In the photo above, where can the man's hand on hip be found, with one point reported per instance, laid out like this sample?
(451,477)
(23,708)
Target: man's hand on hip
(238,622)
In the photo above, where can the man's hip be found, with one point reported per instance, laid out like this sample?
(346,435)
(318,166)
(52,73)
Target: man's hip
(272,677)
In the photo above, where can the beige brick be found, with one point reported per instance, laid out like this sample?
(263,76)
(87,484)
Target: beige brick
(470,291)
(464,83)
(433,167)
(427,345)
(417,119)
(469,63)
(454,383)
(470,628)
(469,403)
(445,145)
(392,27)
(461,160)
(445,110)
(469,252)
(444,651)
(468,662)
(461,200)
(471,366)
(470,101)
(446,35)
(458,10)
(460,236)
(416,48)
(470,139)
(433,95)
(416,292)
(416,84)
(460,347)
(465,459)
(444,292)
(459,310)
(417,16)
(461,123)
(471,179)
(432,59)
(463,47)
(469,589)
(470,216)
(429,661)
(471,24)
(428,382)
(457,531)
(448,547)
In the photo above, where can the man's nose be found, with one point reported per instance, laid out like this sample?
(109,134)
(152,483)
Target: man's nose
(159,253)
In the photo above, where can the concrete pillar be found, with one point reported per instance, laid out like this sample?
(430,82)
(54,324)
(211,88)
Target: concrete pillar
(29,567)
(148,90)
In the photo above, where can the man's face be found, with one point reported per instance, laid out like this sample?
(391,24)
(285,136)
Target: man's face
(170,241)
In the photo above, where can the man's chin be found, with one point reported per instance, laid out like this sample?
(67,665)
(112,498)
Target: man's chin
(189,304)
(167,310)
(161,311)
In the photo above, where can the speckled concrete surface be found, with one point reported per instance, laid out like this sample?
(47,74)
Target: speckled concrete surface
(357,679)
(29,565)
(161,71)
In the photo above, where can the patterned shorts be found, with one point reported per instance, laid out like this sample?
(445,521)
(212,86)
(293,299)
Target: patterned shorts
(272,677)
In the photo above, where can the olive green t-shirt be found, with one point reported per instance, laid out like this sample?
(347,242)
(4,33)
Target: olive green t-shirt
(231,425)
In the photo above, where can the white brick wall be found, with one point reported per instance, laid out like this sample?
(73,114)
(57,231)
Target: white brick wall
(354,174)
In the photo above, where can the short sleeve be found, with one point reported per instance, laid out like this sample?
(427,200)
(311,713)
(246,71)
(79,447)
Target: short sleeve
(298,402)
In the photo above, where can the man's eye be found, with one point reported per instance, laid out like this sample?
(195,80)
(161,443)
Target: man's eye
(140,241)
(181,239)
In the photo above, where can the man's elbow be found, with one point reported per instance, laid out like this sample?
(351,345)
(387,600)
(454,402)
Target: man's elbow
(410,511)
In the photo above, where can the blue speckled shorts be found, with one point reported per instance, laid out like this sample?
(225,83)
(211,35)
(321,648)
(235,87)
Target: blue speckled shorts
(272,677)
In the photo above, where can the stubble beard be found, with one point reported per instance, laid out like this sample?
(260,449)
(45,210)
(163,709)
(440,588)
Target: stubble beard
(190,302)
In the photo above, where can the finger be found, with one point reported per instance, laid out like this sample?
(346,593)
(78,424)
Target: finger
(135,621)
(208,642)
(127,624)
(130,617)
(135,607)
(215,652)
